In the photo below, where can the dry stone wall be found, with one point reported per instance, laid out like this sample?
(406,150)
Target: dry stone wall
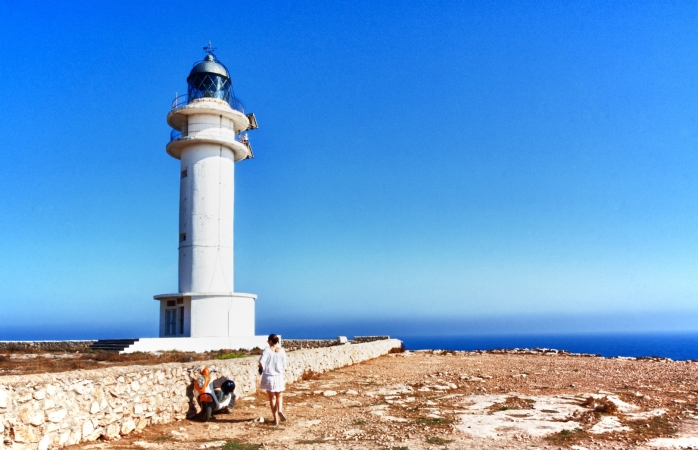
(362,339)
(54,410)
(46,346)
(298,344)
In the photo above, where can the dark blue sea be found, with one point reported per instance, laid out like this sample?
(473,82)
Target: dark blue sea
(674,345)
(677,346)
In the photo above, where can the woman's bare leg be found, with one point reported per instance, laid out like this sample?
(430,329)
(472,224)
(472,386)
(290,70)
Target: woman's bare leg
(273,405)
(279,401)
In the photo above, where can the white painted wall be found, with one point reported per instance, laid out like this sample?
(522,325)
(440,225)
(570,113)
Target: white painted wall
(206,219)
(203,344)
(218,316)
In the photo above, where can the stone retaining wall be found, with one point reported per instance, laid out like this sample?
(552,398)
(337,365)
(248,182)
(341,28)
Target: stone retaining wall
(46,346)
(362,339)
(297,344)
(54,410)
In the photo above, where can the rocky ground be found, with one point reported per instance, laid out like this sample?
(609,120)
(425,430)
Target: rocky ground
(434,400)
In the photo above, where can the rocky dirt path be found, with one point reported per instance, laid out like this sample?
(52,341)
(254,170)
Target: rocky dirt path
(435,400)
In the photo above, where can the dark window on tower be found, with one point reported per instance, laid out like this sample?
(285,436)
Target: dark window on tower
(183,237)
(184,173)
(170,303)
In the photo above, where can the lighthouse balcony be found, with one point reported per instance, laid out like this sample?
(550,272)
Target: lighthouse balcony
(185,99)
(227,108)
(210,133)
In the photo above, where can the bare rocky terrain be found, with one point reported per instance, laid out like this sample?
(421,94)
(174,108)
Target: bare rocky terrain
(435,400)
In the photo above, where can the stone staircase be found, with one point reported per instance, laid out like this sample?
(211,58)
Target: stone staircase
(113,345)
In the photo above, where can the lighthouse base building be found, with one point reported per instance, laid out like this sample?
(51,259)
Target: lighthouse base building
(209,138)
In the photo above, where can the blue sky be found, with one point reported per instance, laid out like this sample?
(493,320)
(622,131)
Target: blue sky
(507,166)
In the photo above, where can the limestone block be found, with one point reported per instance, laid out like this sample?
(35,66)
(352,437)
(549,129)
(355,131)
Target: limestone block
(49,404)
(142,423)
(108,381)
(103,403)
(112,431)
(51,427)
(121,379)
(39,395)
(87,428)
(98,392)
(128,426)
(28,415)
(4,397)
(94,408)
(24,396)
(75,436)
(63,438)
(45,442)
(50,389)
(24,434)
(57,415)
(95,435)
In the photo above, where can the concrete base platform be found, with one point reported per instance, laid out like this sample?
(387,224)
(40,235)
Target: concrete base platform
(198,345)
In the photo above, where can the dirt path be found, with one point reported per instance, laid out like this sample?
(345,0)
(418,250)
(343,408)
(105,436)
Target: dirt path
(430,400)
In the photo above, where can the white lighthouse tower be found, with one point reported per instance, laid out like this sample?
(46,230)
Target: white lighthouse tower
(209,137)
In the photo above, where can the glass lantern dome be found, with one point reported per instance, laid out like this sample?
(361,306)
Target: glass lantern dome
(210,79)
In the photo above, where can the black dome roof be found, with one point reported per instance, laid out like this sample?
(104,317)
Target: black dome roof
(209,65)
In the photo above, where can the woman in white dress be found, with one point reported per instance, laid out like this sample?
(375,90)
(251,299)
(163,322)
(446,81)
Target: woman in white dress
(272,364)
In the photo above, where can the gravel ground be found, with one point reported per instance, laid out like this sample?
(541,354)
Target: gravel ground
(435,400)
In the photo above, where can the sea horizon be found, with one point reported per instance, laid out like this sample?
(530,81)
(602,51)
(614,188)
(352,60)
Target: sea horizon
(676,345)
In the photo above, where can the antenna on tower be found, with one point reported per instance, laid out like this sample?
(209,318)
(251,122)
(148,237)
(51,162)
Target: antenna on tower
(209,49)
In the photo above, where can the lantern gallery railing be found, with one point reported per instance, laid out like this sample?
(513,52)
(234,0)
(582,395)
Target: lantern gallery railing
(193,130)
(183,100)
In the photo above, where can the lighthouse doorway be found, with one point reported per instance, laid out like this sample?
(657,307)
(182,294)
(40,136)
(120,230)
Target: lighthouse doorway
(174,318)
(171,322)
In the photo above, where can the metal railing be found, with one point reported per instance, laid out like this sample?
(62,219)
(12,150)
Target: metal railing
(193,130)
(183,100)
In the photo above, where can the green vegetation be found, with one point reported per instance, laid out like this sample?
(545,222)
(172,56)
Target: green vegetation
(163,438)
(232,355)
(513,403)
(434,421)
(231,445)
(438,440)
(358,422)
(568,437)
(311,441)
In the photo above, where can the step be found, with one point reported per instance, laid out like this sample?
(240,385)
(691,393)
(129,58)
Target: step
(114,345)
